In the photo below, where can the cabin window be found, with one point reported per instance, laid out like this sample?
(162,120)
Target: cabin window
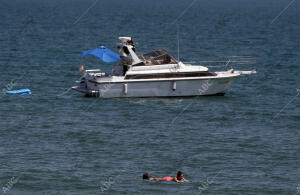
(157,57)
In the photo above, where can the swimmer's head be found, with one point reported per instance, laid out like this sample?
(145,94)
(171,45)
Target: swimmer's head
(146,176)
(179,175)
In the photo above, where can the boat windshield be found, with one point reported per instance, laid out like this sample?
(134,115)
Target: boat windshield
(157,57)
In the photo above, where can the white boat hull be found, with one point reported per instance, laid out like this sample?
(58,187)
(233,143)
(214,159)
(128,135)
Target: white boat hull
(167,88)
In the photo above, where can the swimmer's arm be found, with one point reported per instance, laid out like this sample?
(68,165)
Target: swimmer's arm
(176,180)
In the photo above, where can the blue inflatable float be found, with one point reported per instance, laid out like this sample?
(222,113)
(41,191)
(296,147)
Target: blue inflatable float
(21,91)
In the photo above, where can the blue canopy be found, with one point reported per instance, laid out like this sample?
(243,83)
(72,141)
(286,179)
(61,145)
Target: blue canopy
(104,54)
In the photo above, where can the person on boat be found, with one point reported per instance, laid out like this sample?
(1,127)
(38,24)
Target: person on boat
(130,42)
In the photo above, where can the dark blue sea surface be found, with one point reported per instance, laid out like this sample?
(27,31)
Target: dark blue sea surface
(56,141)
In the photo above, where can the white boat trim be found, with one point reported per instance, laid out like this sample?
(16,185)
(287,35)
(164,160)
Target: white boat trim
(164,79)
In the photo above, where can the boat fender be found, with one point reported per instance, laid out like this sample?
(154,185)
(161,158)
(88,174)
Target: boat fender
(174,85)
(125,89)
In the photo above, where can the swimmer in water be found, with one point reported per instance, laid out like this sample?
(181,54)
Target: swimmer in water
(179,177)
(147,177)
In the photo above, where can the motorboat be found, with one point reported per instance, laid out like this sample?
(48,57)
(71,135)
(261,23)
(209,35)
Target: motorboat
(152,74)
